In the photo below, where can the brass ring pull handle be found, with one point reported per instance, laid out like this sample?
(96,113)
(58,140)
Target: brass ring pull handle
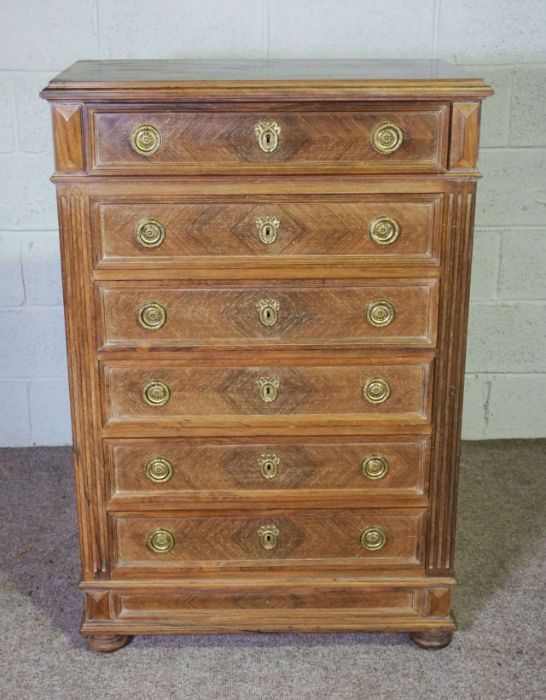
(161,541)
(268,311)
(387,138)
(376,390)
(269,536)
(375,467)
(268,135)
(152,316)
(269,388)
(159,470)
(380,313)
(145,139)
(384,230)
(373,538)
(269,465)
(268,229)
(156,393)
(150,233)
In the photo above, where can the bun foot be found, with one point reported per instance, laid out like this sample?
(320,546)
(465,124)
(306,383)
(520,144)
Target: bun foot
(107,644)
(431,640)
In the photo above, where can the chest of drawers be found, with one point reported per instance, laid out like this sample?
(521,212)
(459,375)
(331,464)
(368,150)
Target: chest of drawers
(266,271)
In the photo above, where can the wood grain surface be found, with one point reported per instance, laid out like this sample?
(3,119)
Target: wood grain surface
(217,473)
(200,392)
(300,315)
(308,226)
(305,541)
(214,141)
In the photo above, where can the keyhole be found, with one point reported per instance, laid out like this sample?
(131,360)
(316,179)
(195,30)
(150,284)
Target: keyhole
(268,538)
(268,315)
(267,232)
(269,467)
(268,139)
(268,388)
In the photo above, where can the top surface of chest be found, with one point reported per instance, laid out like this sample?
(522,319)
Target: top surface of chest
(370,77)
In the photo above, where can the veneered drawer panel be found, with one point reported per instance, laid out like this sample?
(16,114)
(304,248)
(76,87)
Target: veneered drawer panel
(386,227)
(215,471)
(396,313)
(186,393)
(341,140)
(271,603)
(267,540)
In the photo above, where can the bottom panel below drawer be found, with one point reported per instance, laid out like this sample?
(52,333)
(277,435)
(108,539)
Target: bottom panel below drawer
(275,606)
(317,540)
(134,605)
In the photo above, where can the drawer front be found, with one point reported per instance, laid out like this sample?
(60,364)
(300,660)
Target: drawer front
(389,228)
(324,606)
(266,541)
(182,393)
(171,469)
(357,140)
(402,313)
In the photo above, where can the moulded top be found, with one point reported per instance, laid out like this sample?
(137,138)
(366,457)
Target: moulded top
(336,78)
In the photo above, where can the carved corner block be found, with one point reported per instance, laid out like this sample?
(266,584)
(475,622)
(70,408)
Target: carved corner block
(97,605)
(438,602)
(465,124)
(69,141)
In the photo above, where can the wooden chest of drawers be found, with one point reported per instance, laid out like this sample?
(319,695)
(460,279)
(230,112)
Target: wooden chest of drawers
(266,271)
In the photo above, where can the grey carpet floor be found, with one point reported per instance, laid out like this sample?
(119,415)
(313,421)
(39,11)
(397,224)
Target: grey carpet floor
(498,652)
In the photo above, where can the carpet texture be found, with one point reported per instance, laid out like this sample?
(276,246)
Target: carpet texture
(499,652)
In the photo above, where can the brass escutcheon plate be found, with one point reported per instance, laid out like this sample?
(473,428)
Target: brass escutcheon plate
(268,311)
(268,135)
(269,388)
(269,536)
(268,229)
(269,465)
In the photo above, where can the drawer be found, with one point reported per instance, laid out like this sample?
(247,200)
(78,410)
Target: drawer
(386,228)
(157,393)
(401,312)
(357,538)
(251,139)
(216,472)
(274,606)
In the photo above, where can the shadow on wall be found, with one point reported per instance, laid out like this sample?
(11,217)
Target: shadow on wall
(501,517)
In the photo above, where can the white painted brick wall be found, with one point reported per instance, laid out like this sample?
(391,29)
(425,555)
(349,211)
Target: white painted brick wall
(501,39)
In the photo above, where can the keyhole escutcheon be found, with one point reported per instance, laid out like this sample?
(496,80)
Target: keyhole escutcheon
(268,311)
(269,536)
(269,388)
(268,135)
(269,465)
(267,227)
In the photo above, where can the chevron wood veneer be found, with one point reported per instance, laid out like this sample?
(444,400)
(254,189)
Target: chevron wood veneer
(266,272)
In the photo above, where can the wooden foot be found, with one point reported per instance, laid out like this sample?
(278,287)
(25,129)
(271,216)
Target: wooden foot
(431,640)
(107,644)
